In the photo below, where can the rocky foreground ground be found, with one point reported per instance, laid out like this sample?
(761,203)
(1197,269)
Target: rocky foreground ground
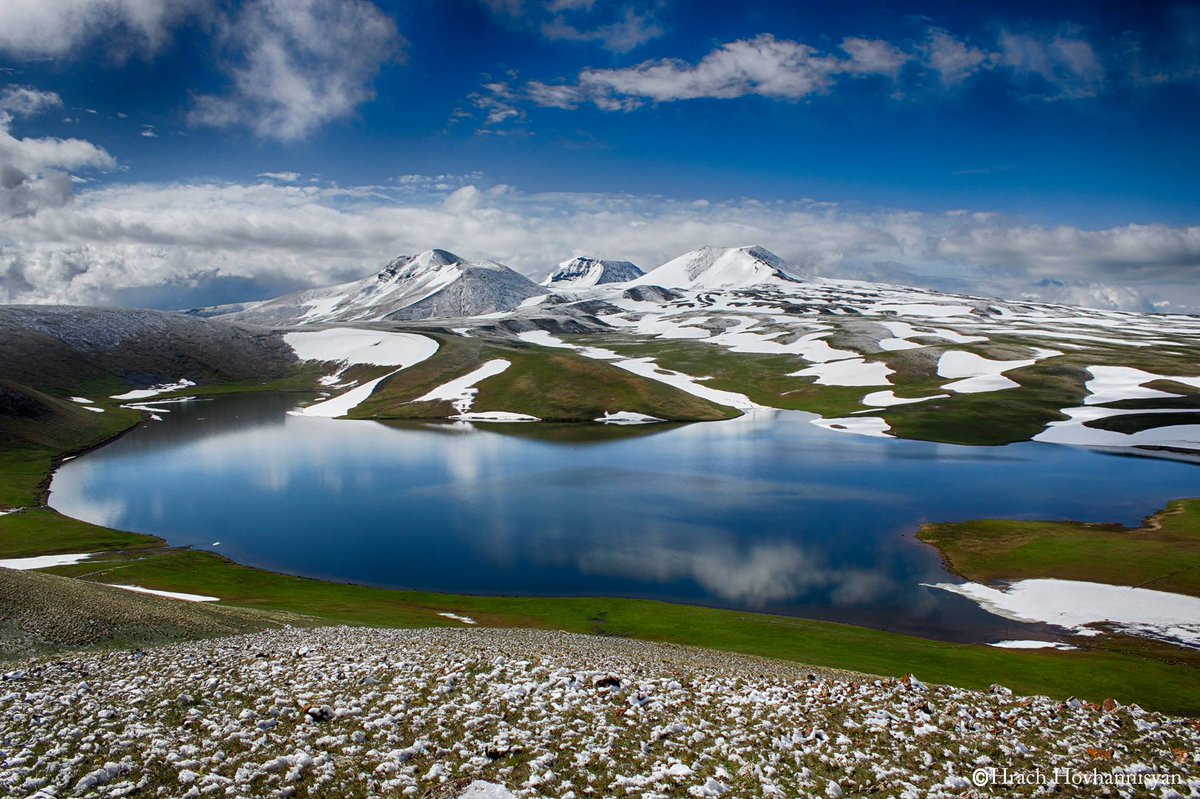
(341,712)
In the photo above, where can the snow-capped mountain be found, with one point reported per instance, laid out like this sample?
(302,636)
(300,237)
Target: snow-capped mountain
(583,272)
(435,283)
(721,268)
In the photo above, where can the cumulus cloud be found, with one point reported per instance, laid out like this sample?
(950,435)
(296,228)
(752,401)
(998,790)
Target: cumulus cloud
(295,65)
(1064,61)
(33,170)
(57,28)
(191,243)
(764,66)
(953,59)
(1054,63)
(25,101)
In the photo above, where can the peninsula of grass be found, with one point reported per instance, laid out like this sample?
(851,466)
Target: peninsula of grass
(1163,554)
(555,385)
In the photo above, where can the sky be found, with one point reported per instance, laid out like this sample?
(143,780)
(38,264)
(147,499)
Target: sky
(180,153)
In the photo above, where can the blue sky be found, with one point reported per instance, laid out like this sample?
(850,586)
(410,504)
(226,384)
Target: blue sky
(226,150)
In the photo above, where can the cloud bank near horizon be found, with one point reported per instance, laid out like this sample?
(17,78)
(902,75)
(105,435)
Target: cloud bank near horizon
(189,244)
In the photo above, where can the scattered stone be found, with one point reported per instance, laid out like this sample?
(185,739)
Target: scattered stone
(489,713)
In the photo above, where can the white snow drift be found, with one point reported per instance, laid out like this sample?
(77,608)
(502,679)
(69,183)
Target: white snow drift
(1078,605)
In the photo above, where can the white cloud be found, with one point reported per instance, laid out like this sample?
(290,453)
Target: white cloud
(873,57)
(56,28)
(629,31)
(178,245)
(1131,252)
(616,27)
(1058,63)
(954,60)
(295,65)
(25,101)
(32,172)
(1064,61)
(764,66)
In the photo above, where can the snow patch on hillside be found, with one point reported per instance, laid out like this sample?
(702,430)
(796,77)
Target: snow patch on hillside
(352,346)
(343,403)
(1116,383)
(872,426)
(977,374)
(851,372)
(44,561)
(1112,384)
(646,367)
(461,391)
(154,391)
(627,417)
(886,399)
(1076,605)
(169,594)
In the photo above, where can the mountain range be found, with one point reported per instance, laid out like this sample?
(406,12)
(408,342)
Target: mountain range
(437,284)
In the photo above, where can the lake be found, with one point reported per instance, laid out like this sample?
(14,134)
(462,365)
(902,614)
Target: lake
(764,513)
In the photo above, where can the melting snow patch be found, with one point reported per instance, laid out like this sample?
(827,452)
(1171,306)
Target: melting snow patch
(456,617)
(1115,383)
(495,416)
(461,391)
(981,374)
(544,339)
(82,400)
(1073,431)
(170,401)
(350,346)
(859,425)
(853,372)
(44,561)
(886,399)
(137,406)
(93,409)
(1031,645)
(1075,605)
(627,417)
(168,594)
(154,391)
(343,403)
(645,367)
(356,346)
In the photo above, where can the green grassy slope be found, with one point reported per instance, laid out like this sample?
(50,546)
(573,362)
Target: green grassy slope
(551,384)
(1129,676)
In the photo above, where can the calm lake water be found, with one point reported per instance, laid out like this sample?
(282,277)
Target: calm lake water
(766,513)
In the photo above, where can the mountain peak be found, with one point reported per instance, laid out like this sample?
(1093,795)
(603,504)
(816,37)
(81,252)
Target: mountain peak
(583,271)
(410,265)
(722,267)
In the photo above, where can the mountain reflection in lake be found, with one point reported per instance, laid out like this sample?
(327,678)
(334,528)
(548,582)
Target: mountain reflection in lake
(767,512)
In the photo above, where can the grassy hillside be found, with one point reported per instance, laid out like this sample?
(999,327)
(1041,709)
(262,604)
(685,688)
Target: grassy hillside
(35,428)
(551,384)
(984,419)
